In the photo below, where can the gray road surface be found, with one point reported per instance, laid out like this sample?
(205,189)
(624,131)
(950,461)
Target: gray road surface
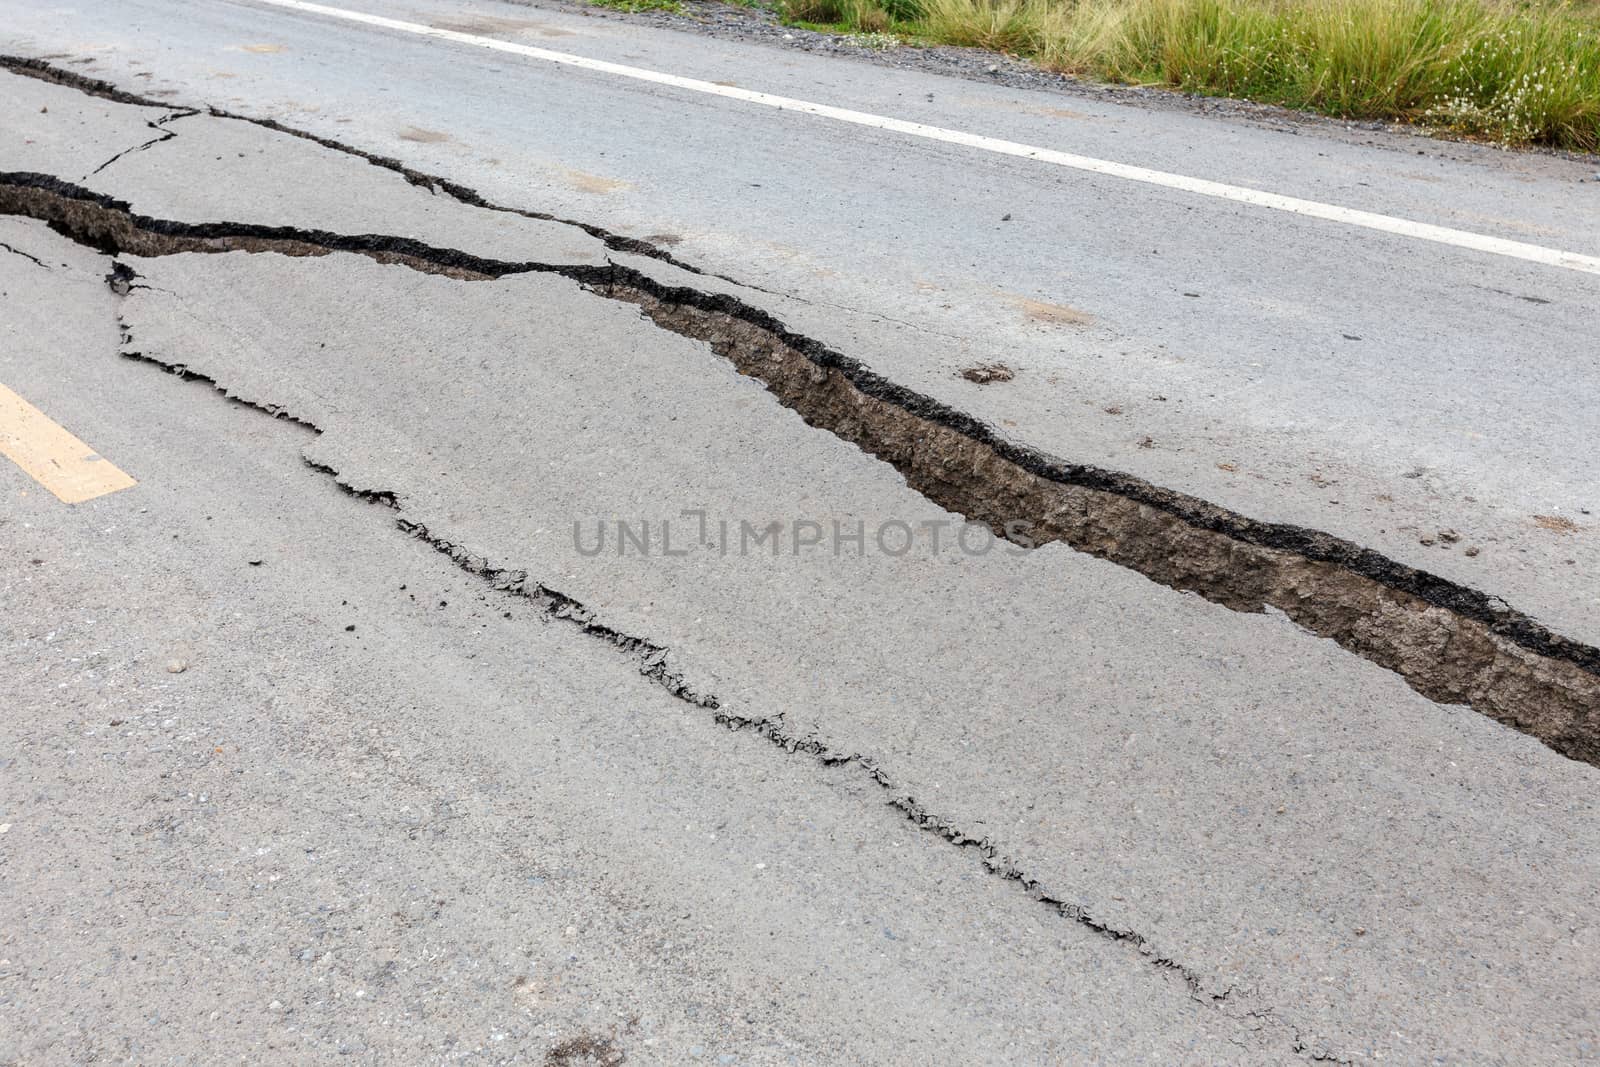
(403,772)
(1462,406)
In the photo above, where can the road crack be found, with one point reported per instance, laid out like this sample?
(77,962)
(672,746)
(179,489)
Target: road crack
(25,255)
(162,136)
(653,662)
(38,68)
(1451,643)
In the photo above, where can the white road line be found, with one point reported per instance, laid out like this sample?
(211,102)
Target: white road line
(1422,231)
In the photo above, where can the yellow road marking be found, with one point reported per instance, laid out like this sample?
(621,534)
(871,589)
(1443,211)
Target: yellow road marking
(53,457)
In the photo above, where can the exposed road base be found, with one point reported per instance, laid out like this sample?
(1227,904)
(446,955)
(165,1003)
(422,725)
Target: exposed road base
(1451,643)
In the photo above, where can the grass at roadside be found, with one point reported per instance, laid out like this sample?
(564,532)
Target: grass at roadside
(635,6)
(1518,73)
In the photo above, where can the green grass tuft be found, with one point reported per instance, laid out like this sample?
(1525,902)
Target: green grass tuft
(1518,73)
(635,6)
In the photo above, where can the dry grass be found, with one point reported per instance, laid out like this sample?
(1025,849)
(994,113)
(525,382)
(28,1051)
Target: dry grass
(1519,74)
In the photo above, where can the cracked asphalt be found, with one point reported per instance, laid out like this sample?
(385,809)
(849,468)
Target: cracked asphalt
(356,729)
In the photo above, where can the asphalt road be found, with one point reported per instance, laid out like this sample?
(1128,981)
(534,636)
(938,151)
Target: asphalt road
(1461,404)
(342,731)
